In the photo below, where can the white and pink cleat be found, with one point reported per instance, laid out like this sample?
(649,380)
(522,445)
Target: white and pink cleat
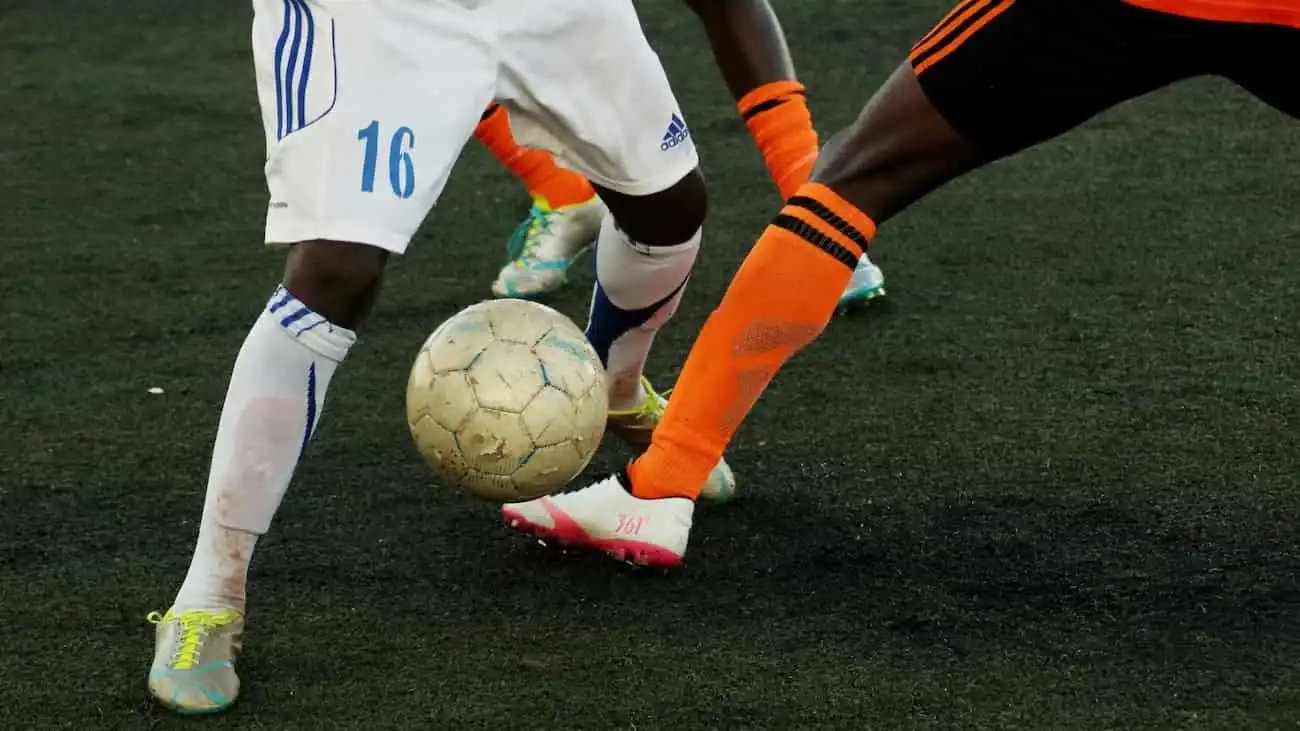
(607,517)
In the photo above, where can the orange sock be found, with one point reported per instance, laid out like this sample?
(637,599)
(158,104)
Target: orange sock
(536,169)
(778,118)
(780,301)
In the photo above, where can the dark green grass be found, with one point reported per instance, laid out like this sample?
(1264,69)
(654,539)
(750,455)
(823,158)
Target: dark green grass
(1053,486)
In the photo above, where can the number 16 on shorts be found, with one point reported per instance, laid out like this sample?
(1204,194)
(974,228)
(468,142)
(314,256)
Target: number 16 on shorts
(401,170)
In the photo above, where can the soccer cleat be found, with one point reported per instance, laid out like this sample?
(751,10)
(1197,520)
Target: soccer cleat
(545,245)
(867,283)
(606,517)
(194,659)
(636,425)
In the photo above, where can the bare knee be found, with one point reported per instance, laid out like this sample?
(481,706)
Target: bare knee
(337,280)
(668,217)
(898,150)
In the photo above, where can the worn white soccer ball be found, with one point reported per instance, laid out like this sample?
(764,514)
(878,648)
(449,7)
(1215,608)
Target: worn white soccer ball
(507,400)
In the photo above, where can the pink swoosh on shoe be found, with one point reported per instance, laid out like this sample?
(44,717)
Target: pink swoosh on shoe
(566,530)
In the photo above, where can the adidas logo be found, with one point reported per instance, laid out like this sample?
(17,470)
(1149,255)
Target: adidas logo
(676,134)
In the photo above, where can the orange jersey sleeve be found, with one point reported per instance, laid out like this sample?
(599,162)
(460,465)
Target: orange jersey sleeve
(1266,12)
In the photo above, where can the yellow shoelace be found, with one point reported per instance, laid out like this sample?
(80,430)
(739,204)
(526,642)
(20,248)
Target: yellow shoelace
(195,626)
(651,404)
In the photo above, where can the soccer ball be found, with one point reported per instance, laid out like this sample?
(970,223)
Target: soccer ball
(507,400)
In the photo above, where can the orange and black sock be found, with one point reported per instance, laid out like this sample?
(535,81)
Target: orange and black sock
(778,118)
(780,300)
(536,169)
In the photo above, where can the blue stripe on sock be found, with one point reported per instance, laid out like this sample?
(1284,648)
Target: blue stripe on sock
(608,321)
(279,299)
(295,316)
(311,408)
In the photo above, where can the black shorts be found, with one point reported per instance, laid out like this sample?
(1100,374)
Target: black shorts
(1008,74)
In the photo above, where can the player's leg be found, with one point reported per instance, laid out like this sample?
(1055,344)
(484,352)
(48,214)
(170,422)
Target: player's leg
(751,51)
(581,81)
(355,161)
(609,112)
(562,223)
(537,170)
(967,95)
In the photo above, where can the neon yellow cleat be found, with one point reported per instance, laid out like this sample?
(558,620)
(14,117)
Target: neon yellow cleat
(194,659)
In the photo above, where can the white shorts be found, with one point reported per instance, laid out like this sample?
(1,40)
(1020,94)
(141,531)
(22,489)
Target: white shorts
(368,103)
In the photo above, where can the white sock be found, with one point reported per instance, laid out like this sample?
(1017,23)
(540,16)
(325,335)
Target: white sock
(638,289)
(272,407)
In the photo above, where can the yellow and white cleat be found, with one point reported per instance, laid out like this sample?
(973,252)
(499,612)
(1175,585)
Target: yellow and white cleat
(636,425)
(194,659)
(545,246)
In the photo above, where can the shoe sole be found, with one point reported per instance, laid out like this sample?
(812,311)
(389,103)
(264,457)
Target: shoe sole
(860,298)
(181,710)
(568,533)
(192,712)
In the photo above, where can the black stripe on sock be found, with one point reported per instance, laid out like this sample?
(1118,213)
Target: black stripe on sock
(808,233)
(770,104)
(820,210)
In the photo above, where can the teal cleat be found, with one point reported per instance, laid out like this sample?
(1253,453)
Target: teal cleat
(867,284)
(545,246)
